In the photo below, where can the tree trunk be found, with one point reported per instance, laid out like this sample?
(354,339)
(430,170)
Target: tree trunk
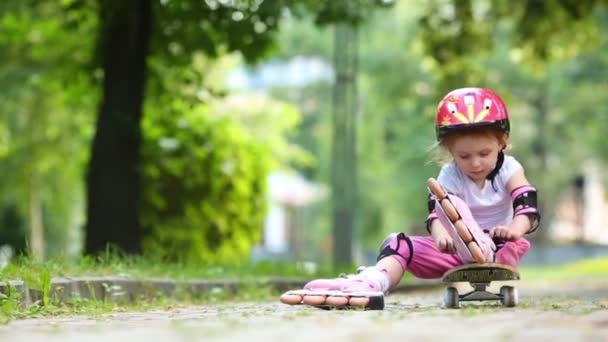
(37,242)
(344,161)
(113,179)
(541,153)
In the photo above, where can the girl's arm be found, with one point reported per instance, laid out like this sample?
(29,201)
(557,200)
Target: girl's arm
(523,222)
(442,239)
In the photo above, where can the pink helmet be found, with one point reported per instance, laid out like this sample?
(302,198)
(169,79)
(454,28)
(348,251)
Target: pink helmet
(470,107)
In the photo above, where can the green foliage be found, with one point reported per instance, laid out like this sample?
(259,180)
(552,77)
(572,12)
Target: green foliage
(394,124)
(205,180)
(111,263)
(206,156)
(551,29)
(327,12)
(45,122)
(593,268)
(183,27)
(268,122)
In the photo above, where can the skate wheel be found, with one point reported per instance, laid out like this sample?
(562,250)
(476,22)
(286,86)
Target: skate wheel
(314,299)
(290,299)
(509,296)
(476,252)
(336,300)
(449,209)
(359,302)
(463,231)
(436,188)
(451,300)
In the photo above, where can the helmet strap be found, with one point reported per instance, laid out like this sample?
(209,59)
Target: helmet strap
(500,160)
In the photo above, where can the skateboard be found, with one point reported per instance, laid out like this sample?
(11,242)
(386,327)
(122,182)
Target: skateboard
(467,241)
(479,276)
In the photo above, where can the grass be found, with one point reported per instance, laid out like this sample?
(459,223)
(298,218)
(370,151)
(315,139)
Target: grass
(596,268)
(38,275)
(26,268)
(11,307)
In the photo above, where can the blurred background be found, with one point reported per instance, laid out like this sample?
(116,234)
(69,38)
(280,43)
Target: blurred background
(236,131)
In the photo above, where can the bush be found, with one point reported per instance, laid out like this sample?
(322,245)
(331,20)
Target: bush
(204,186)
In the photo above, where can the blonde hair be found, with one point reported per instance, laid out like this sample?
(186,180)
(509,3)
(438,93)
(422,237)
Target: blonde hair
(439,152)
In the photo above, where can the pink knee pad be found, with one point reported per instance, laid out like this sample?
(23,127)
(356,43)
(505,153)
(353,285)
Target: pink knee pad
(398,246)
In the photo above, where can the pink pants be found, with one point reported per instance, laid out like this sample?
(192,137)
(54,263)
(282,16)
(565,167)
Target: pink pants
(426,261)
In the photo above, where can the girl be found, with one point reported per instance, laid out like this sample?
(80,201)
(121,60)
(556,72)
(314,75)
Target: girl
(472,126)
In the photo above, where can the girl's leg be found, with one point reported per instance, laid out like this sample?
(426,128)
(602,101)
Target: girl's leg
(417,254)
(399,253)
(512,252)
(428,262)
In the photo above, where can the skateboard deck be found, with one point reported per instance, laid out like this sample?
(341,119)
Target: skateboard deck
(479,276)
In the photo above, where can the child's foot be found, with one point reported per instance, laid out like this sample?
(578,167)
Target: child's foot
(471,243)
(362,290)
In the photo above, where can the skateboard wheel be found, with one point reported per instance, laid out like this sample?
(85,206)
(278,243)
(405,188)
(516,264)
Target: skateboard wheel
(451,298)
(509,295)
(436,188)
(476,252)
(463,231)
(449,209)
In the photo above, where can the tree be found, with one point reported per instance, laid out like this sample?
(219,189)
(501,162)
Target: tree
(344,142)
(176,28)
(129,31)
(113,181)
(45,126)
(346,17)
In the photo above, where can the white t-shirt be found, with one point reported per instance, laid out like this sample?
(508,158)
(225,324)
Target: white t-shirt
(490,206)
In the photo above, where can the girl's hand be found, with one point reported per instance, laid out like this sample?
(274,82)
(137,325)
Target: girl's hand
(442,239)
(445,244)
(504,233)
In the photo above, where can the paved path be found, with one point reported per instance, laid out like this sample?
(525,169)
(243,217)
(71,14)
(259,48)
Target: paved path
(572,312)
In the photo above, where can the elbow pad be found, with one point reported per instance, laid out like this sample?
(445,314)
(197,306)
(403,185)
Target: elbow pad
(525,202)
